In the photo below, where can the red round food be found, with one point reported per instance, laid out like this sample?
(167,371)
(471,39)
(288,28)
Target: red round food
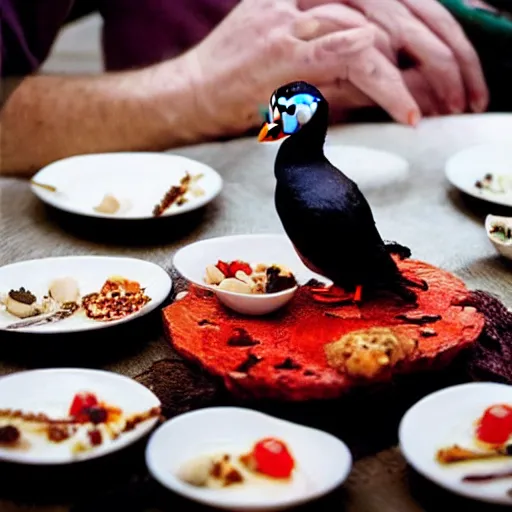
(242,266)
(283,356)
(495,425)
(223,267)
(272,458)
(229,269)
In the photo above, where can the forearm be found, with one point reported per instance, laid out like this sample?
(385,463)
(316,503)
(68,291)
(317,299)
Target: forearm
(51,117)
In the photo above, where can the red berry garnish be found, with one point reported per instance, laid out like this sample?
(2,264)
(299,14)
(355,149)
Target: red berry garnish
(242,266)
(495,425)
(223,267)
(96,414)
(273,458)
(82,401)
(95,437)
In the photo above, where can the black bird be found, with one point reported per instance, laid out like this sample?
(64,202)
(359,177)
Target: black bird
(323,212)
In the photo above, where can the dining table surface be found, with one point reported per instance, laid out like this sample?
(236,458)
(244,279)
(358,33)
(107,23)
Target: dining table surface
(415,206)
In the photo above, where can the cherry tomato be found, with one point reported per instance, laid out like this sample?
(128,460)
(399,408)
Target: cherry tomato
(235,266)
(82,401)
(223,267)
(495,426)
(273,458)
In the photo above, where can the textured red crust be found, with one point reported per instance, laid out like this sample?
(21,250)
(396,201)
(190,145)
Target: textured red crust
(200,329)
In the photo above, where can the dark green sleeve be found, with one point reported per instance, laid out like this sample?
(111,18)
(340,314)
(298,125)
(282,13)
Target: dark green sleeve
(491,35)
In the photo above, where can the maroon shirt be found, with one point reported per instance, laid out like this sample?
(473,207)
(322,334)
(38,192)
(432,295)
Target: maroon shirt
(136,33)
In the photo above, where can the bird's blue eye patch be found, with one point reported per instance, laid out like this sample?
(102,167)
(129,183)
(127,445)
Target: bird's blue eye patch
(304,99)
(290,124)
(296,111)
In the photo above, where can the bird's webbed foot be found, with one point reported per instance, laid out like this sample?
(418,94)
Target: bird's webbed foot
(335,295)
(420,284)
(408,296)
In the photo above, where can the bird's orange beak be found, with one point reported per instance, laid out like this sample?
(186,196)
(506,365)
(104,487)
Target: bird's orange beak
(270,132)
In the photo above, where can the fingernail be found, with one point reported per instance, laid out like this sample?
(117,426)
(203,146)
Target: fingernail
(413,117)
(478,105)
(456,107)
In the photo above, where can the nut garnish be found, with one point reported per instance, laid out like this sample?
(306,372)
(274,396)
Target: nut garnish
(177,194)
(117,298)
(234,285)
(365,353)
(22,295)
(214,275)
(240,277)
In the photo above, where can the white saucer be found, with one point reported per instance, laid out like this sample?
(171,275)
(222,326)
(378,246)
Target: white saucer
(470,165)
(323,462)
(369,168)
(445,418)
(90,272)
(138,180)
(51,392)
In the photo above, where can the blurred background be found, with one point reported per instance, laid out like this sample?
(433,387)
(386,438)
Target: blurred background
(78,47)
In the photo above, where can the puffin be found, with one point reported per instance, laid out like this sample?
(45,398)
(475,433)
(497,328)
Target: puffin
(323,212)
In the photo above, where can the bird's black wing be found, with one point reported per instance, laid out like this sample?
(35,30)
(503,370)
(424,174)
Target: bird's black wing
(333,228)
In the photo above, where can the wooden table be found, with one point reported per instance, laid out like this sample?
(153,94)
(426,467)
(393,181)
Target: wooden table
(418,208)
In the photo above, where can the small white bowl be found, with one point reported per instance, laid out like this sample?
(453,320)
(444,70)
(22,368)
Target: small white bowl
(323,462)
(504,248)
(192,260)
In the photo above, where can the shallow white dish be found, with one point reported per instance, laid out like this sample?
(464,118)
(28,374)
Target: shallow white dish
(51,392)
(368,167)
(323,462)
(90,272)
(192,260)
(445,418)
(468,166)
(138,180)
(504,248)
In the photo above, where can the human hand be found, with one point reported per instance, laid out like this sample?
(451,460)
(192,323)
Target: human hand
(263,44)
(444,73)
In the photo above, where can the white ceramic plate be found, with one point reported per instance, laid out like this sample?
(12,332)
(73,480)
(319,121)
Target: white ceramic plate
(465,168)
(51,392)
(192,260)
(370,168)
(445,418)
(323,462)
(138,180)
(90,272)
